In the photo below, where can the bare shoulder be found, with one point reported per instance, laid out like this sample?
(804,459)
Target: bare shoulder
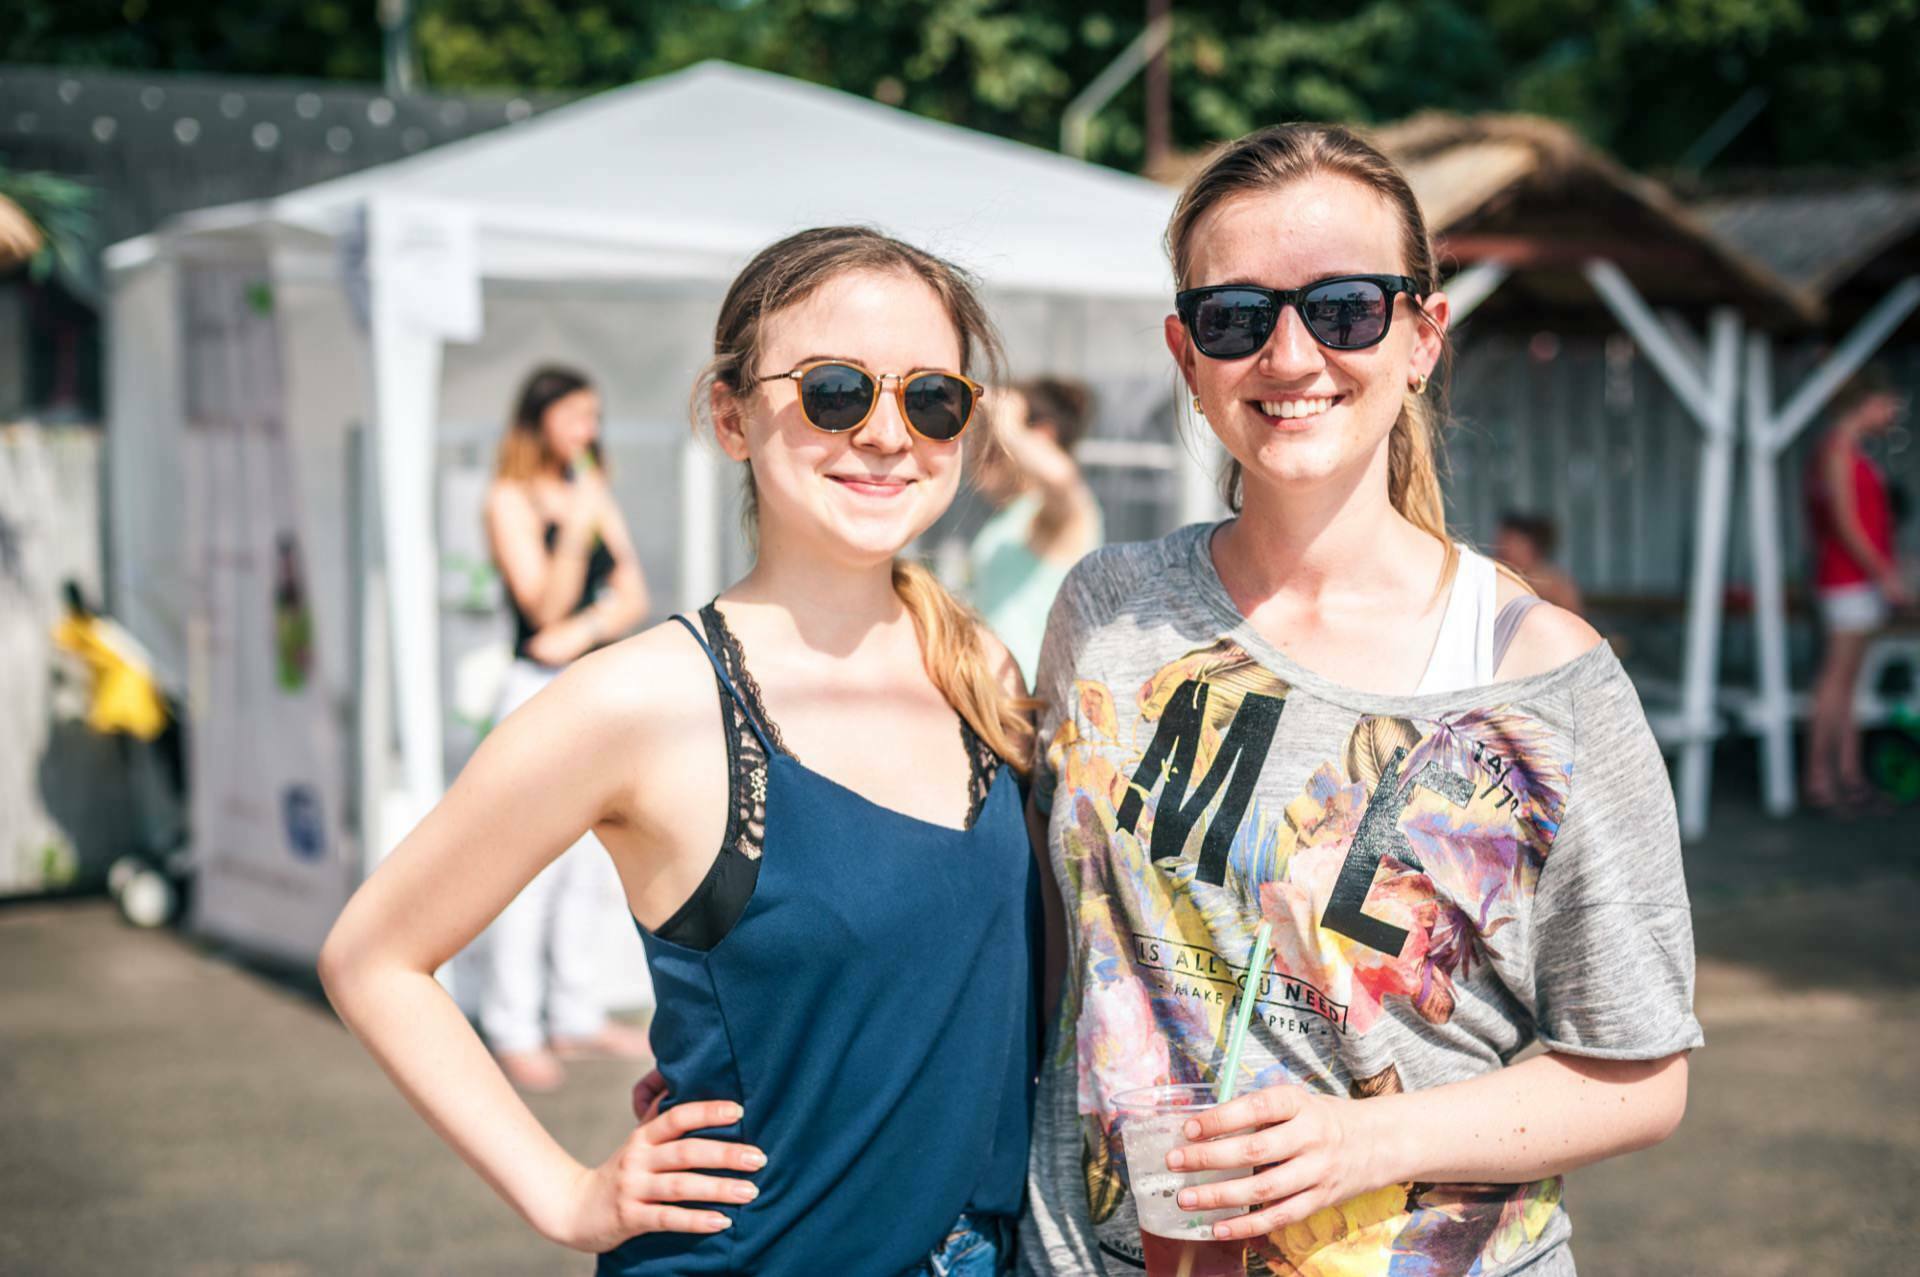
(1001,662)
(643,689)
(508,499)
(1548,638)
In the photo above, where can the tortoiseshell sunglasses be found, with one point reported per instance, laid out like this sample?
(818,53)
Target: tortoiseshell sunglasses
(838,396)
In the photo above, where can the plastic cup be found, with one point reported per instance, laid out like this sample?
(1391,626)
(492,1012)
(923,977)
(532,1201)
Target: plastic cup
(1175,1242)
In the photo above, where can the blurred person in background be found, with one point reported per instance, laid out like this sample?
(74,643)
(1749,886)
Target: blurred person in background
(1046,519)
(573,584)
(843,949)
(1304,717)
(1525,543)
(1856,575)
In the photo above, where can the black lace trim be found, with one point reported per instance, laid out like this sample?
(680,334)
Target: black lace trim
(747,760)
(746,756)
(723,895)
(984,765)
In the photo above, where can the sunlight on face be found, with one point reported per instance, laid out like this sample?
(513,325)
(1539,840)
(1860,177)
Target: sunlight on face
(1295,412)
(862,495)
(570,424)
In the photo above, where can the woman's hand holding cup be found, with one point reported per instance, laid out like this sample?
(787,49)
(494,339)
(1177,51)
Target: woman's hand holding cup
(1307,1146)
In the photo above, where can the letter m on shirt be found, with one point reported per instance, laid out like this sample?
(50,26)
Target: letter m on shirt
(1170,760)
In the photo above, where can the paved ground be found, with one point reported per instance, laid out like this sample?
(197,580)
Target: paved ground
(168,1112)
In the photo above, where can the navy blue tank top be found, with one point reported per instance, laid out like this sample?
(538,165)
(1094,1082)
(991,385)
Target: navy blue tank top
(873,1012)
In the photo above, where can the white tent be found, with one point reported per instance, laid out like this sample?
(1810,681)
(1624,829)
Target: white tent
(250,342)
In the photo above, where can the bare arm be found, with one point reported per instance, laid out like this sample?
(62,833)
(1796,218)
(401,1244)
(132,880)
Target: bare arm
(1542,1117)
(1065,527)
(625,604)
(554,768)
(545,586)
(619,608)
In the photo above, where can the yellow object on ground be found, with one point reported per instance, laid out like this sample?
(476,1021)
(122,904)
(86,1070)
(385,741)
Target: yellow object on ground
(125,698)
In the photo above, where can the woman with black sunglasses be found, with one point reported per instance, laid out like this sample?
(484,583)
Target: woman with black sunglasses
(1327,716)
(809,796)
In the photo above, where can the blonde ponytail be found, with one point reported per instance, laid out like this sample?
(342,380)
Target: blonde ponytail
(957,663)
(1413,478)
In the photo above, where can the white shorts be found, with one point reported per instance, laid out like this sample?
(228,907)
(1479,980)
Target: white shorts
(1853,609)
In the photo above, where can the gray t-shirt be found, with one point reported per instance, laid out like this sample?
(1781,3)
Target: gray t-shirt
(1450,877)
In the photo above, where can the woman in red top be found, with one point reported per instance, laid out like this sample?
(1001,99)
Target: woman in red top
(1856,576)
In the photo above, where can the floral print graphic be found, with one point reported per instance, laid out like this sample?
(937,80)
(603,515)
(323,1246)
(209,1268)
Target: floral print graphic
(1458,816)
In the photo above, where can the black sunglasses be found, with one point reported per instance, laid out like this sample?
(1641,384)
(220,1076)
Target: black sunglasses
(837,396)
(1347,312)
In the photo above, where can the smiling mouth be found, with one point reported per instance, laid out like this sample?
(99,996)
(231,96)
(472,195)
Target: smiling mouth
(1279,411)
(871,487)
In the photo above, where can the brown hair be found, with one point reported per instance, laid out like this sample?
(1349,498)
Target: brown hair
(523,449)
(1279,156)
(787,273)
(1867,382)
(1537,528)
(1065,403)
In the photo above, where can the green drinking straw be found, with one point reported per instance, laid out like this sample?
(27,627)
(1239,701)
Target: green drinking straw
(1237,1038)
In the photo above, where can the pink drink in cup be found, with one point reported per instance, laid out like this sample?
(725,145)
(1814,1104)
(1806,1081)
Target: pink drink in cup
(1175,1242)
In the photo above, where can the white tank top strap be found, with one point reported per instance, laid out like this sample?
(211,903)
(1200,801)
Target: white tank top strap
(1463,654)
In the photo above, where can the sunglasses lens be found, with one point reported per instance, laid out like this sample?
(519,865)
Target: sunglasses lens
(938,405)
(1231,323)
(1347,314)
(836,397)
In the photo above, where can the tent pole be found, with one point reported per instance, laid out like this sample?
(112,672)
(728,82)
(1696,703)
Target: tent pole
(1711,396)
(699,524)
(406,389)
(1774,716)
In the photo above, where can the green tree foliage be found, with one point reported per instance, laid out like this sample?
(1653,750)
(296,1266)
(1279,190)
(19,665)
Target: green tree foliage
(335,39)
(63,212)
(1645,78)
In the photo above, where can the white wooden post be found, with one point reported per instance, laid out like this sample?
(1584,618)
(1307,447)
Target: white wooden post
(1773,715)
(1847,359)
(1472,286)
(1711,396)
(1769,434)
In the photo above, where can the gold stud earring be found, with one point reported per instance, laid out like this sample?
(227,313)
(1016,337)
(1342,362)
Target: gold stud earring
(1420,383)
(1198,411)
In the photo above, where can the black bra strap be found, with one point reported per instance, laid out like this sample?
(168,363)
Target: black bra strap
(746,711)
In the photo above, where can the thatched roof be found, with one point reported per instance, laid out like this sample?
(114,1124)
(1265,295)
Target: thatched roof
(1531,193)
(20,239)
(1820,240)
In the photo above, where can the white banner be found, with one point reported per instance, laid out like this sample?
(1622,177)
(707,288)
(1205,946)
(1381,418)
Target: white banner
(273,868)
(428,258)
